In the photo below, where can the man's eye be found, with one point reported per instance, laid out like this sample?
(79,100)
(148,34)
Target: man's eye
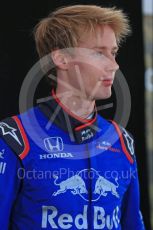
(114,54)
(99,54)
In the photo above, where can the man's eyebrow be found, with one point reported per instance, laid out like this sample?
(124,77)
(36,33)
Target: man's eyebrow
(115,48)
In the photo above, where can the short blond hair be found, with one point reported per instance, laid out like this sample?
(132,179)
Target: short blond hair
(62,28)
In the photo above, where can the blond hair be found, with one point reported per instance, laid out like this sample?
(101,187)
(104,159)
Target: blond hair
(63,27)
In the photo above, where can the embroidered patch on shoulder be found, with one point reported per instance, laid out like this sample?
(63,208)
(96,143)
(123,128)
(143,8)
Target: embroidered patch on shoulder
(129,141)
(12,132)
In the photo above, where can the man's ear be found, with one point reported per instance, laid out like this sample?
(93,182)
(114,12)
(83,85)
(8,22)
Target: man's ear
(59,59)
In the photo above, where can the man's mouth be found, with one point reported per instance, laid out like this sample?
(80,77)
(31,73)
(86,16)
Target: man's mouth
(107,82)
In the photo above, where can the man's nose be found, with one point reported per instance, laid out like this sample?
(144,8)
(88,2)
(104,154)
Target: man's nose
(112,65)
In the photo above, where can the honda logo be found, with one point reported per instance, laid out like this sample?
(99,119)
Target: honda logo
(54,144)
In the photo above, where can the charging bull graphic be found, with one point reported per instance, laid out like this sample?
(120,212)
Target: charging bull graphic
(76,185)
(103,186)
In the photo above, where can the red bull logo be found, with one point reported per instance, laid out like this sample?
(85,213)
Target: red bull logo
(101,220)
(76,186)
(103,186)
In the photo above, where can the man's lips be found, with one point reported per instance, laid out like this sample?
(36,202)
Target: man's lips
(107,82)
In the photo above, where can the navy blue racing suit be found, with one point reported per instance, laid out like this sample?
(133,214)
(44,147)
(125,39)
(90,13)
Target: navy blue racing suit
(58,171)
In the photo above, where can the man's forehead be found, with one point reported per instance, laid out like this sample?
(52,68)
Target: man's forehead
(102,37)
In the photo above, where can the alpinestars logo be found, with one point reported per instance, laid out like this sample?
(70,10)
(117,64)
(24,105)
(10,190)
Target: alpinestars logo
(8,130)
(129,141)
(76,186)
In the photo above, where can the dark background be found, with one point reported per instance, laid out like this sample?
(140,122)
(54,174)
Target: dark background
(18,54)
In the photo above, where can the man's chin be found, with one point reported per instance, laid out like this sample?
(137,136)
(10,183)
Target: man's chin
(103,97)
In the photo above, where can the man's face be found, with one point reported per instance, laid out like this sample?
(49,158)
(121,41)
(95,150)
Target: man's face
(92,68)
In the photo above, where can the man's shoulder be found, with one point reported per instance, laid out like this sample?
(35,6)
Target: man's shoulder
(126,140)
(13,134)
(123,135)
(15,131)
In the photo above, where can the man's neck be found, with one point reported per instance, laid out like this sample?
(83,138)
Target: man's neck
(77,104)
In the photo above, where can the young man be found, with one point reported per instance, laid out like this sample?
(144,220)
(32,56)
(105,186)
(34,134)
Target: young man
(81,173)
